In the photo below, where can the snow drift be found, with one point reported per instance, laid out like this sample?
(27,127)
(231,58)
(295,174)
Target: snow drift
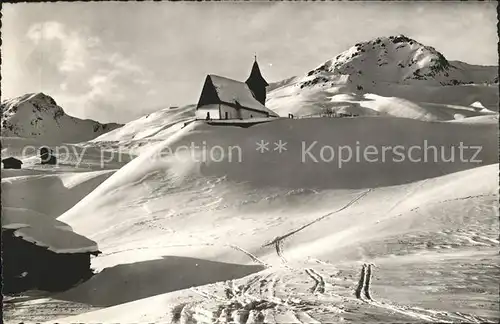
(45,231)
(164,195)
(137,135)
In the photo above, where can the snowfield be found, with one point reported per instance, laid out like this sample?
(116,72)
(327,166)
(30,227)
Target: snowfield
(429,242)
(297,234)
(277,240)
(388,216)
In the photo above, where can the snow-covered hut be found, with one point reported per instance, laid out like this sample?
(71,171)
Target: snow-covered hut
(42,253)
(12,163)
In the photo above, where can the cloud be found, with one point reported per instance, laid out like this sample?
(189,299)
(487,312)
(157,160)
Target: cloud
(113,84)
(73,46)
(123,64)
(88,78)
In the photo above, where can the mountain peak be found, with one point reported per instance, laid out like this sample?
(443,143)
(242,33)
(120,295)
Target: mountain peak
(43,96)
(394,59)
(401,38)
(39,97)
(390,70)
(38,115)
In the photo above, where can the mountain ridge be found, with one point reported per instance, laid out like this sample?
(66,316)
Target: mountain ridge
(37,115)
(387,76)
(426,62)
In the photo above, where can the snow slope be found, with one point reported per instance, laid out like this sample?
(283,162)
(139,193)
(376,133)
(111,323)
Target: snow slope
(53,189)
(395,76)
(37,115)
(156,173)
(317,268)
(139,134)
(162,214)
(66,189)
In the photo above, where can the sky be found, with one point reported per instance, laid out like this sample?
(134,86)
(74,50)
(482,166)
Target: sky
(117,61)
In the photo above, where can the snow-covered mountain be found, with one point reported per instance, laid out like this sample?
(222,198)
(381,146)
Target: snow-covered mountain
(399,59)
(37,115)
(395,76)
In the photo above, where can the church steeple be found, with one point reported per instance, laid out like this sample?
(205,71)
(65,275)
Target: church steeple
(257,83)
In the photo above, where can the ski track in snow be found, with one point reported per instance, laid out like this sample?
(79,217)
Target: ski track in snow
(319,286)
(254,301)
(363,289)
(278,241)
(241,306)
